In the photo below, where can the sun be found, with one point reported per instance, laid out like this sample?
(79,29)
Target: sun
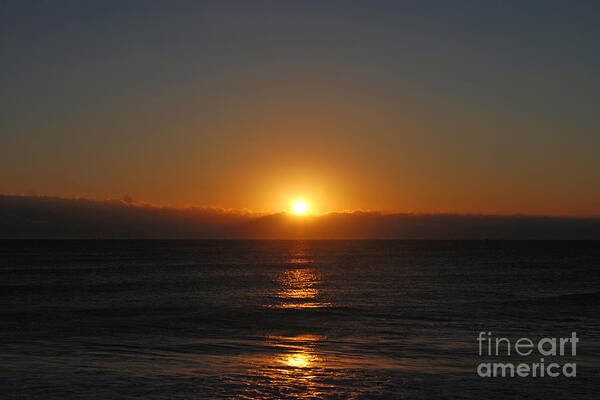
(299,207)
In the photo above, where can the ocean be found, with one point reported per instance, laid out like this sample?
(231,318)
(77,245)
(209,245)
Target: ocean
(292,319)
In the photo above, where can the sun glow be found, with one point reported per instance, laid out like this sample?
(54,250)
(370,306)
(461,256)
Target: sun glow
(299,207)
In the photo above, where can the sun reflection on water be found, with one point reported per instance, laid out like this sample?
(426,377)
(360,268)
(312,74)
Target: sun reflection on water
(298,360)
(299,288)
(295,368)
(299,285)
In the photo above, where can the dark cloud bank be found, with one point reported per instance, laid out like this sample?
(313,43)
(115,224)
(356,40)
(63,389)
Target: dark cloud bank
(47,217)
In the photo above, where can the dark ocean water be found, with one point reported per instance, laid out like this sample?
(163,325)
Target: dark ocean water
(289,319)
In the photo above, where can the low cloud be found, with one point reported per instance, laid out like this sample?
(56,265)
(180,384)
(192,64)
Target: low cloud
(49,217)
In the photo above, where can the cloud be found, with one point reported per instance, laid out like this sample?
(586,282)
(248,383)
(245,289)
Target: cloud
(49,217)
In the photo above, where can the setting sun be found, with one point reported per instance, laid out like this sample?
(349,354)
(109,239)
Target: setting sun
(300,207)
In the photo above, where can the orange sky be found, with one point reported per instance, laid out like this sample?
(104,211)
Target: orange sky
(241,106)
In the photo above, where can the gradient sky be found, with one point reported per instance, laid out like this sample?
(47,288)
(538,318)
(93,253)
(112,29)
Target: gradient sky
(425,106)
